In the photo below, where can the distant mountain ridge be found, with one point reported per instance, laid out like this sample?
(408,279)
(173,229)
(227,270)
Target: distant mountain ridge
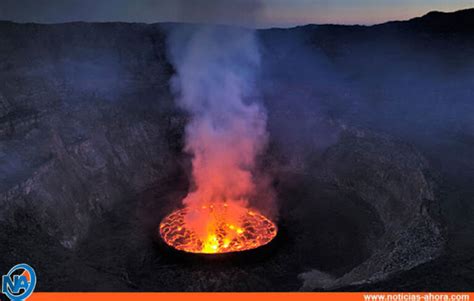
(460,20)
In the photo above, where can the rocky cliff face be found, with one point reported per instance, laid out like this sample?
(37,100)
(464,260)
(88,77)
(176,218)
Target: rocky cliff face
(397,181)
(86,120)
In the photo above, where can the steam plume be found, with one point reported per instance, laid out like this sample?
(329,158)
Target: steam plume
(216,69)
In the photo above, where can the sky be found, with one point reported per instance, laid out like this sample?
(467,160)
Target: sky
(249,13)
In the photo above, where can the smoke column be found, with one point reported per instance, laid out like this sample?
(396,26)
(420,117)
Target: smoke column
(216,69)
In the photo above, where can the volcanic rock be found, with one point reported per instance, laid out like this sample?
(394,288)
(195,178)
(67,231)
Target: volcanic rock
(397,181)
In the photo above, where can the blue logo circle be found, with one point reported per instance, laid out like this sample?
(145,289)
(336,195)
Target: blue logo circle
(12,285)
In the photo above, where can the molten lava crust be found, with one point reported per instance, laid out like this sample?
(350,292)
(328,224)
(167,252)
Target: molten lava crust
(254,230)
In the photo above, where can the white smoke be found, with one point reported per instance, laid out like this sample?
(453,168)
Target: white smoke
(215,82)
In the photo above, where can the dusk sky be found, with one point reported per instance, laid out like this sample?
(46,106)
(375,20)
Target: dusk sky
(251,13)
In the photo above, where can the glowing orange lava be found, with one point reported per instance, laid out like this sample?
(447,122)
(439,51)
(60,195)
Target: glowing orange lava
(251,231)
